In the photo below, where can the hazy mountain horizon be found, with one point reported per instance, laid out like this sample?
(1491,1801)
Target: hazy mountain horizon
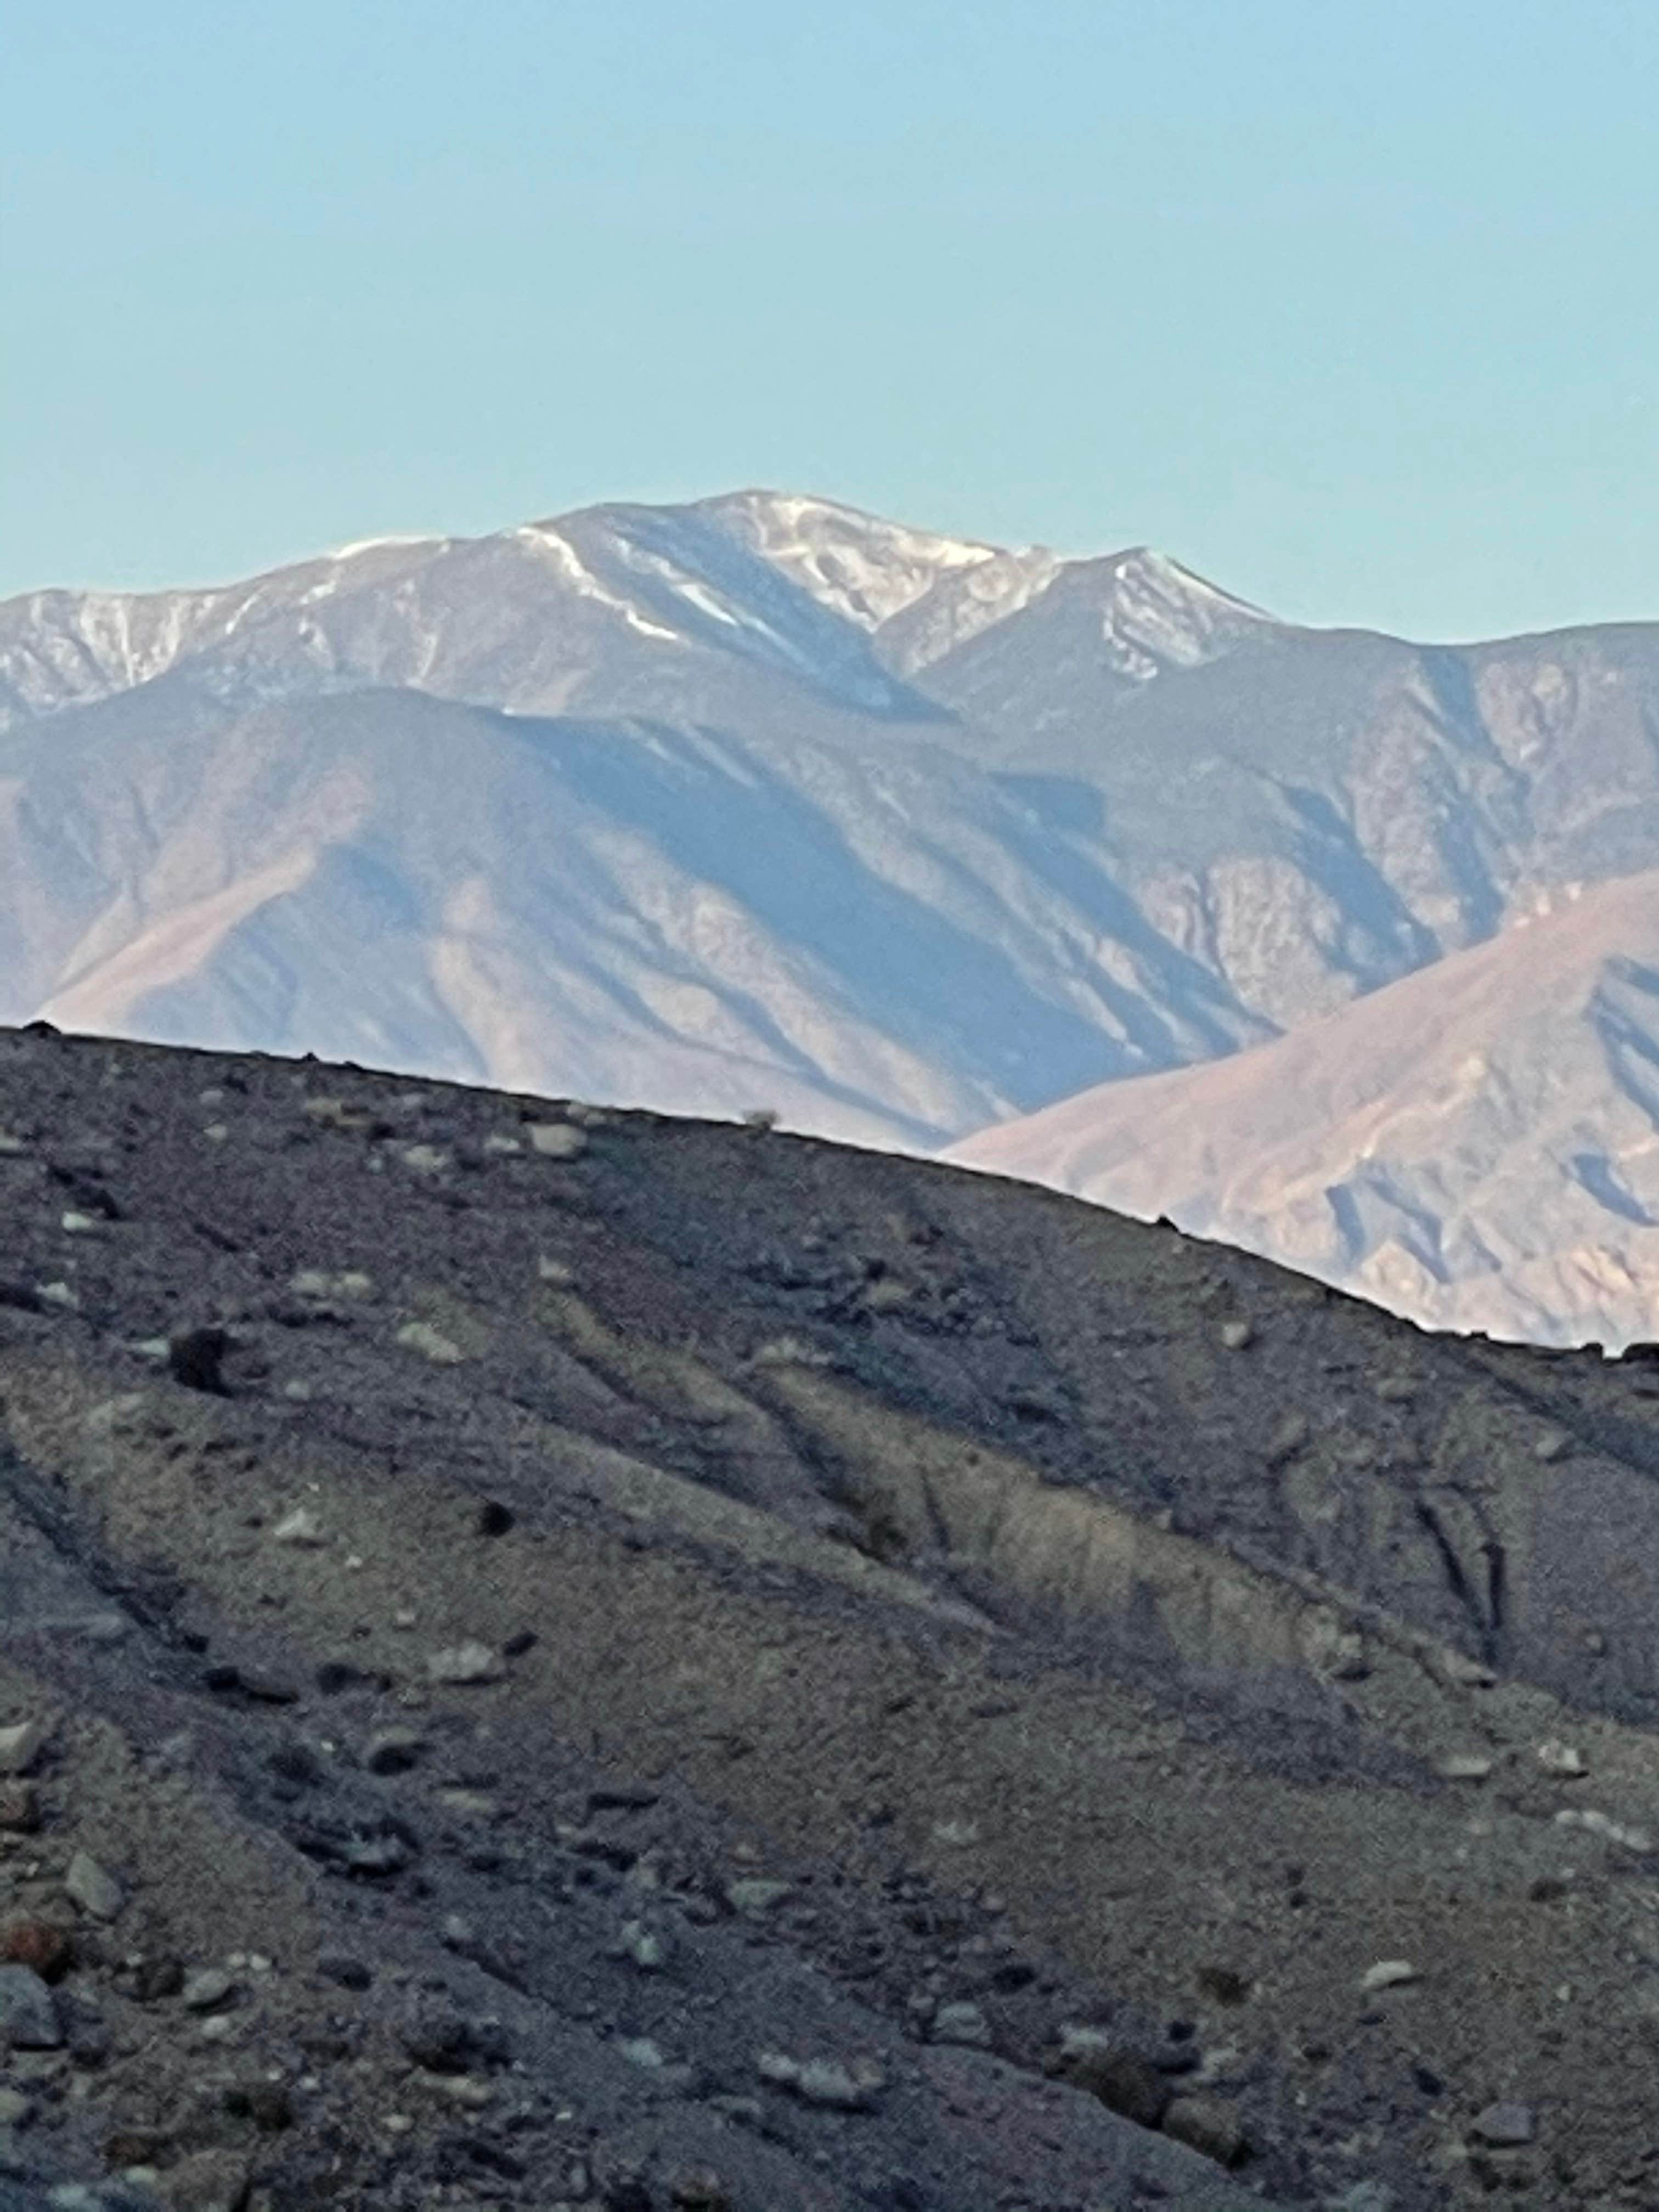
(761,800)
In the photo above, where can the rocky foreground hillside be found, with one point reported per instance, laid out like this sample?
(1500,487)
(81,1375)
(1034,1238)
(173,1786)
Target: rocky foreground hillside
(559,1658)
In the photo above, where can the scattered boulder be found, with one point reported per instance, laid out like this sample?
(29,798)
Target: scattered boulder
(700,2190)
(1291,1436)
(208,2181)
(1464,1767)
(335,1113)
(21,1746)
(556,1140)
(301,1528)
(18,1811)
(89,1886)
(317,1282)
(753,1894)
(843,2086)
(28,2017)
(208,1989)
(431,1343)
(468,1662)
(26,1940)
(650,1948)
(962,2023)
(1123,2079)
(1628,1837)
(1563,1758)
(446,2040)
(1505,2125)
(1237,1336)
(1389,1974)
(1208,2125)
(384,1852)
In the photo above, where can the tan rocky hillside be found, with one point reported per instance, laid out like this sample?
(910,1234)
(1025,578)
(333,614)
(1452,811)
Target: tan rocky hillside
(1476,1147)
(559,1658)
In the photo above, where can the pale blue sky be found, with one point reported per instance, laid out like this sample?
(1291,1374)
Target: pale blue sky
(1350,304)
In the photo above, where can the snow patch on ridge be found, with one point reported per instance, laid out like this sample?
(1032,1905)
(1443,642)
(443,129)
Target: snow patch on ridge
(862,568)
(360,545)
(571,569)
(1161,616)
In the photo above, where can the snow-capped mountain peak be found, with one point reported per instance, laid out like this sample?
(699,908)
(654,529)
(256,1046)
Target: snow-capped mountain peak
(763,800)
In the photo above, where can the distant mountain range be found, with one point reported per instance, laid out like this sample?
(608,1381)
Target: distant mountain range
(761,801)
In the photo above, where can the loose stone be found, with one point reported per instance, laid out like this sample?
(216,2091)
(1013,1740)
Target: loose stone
(556,1140)
(754,1894)
(96,1891)
(1629,1838)
(470,1662)
(1389,1974)
(18,1810)
(20,1747)
(1207,2125)
(208,1989)
(1505,2125)
(431,1343)
(300,1527)
(28,2018)
(1558,1758)
(961,2023)
(27,1941)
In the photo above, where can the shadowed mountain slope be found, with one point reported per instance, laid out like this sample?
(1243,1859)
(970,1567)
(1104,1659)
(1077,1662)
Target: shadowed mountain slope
(652,1663)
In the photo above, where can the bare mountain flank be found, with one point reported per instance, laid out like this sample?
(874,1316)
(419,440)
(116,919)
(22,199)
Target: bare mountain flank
(1476,1146)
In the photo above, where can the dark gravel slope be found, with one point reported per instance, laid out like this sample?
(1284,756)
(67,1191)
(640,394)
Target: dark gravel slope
(576,1658)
